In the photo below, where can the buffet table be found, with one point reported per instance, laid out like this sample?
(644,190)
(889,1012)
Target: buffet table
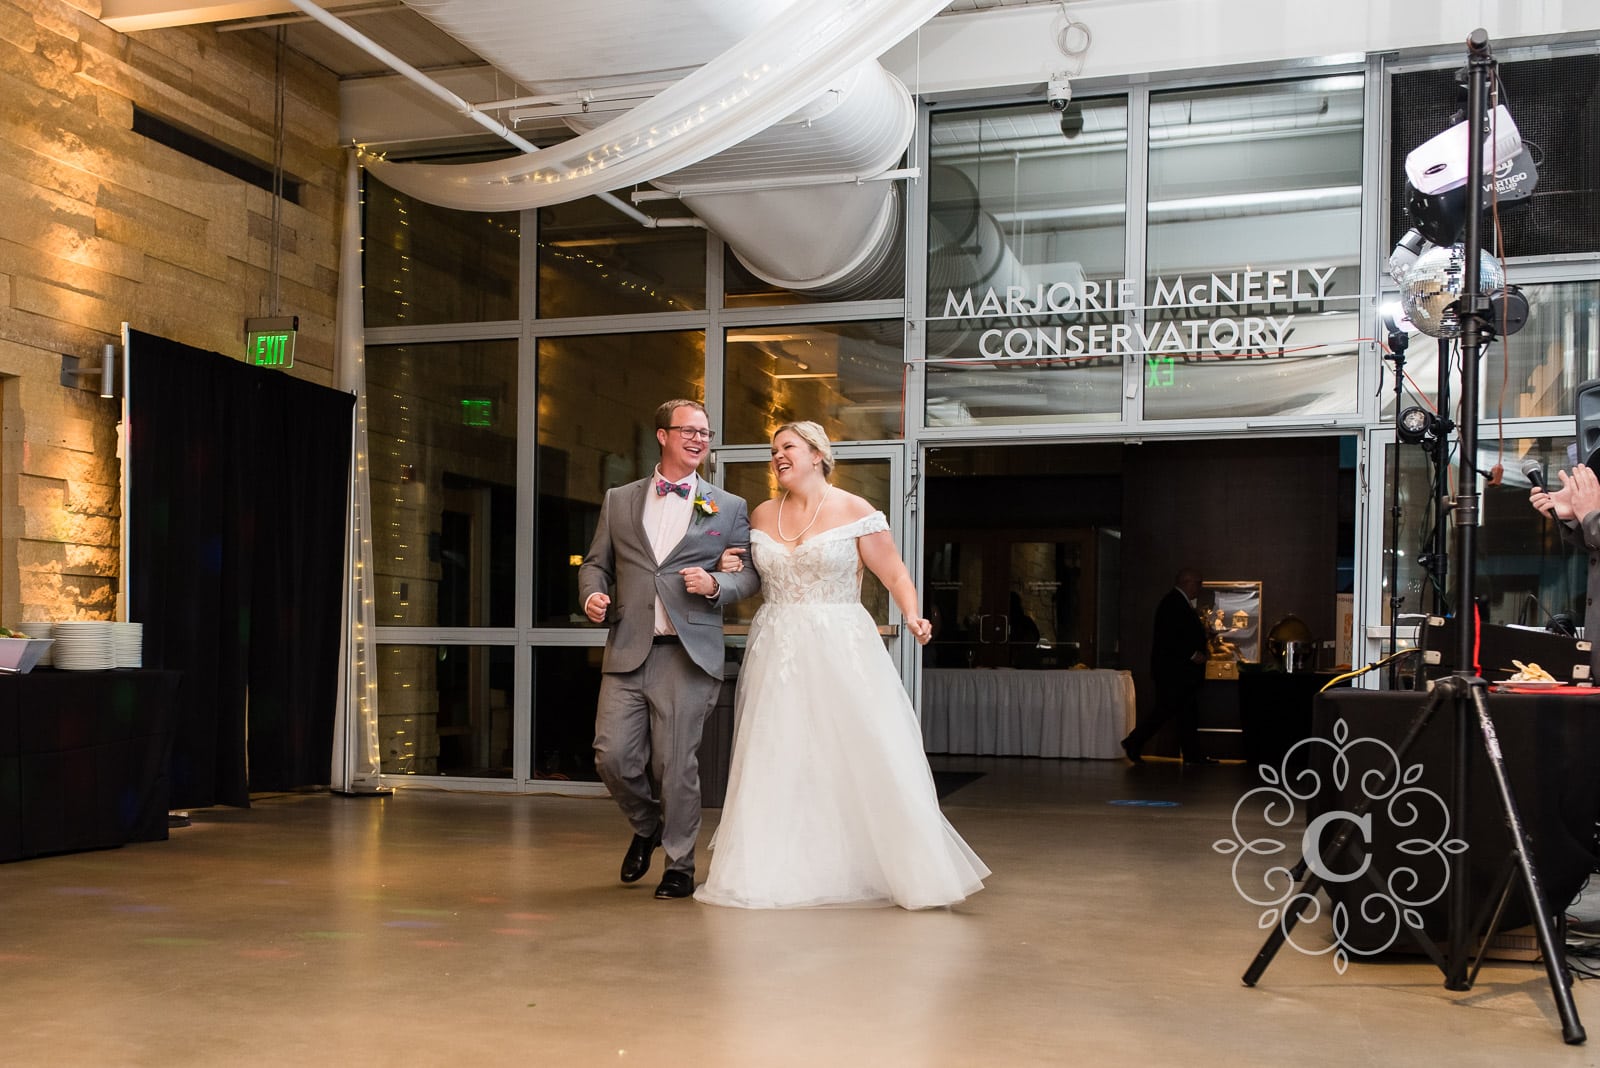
(1008,712)
(83,759)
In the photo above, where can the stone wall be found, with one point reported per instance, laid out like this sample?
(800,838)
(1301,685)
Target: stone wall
(102,225)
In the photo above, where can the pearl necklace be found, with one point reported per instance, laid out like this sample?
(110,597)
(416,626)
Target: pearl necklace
(809,525)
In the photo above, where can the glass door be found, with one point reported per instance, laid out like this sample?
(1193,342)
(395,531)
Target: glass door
(870,471)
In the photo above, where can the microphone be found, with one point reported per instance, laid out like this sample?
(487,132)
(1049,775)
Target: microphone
(1559,624)
(1533,471)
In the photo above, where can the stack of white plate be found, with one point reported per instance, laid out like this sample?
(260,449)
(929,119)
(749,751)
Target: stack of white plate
(127,644)
(42,630)
(84,645)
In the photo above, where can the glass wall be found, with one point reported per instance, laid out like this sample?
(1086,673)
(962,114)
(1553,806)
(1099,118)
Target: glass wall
(445,710)
(442,443)
(850,377)
(1154,258)
(423,264)
(566,690)
(594,260)
(1253,251)
(1026,245)
(1526,572)
(597,404)
(1533,372)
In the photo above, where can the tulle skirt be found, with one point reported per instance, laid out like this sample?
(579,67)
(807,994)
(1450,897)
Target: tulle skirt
(830,801)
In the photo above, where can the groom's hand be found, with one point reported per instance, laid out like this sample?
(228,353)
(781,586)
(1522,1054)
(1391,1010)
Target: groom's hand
(595,607)
(697,581)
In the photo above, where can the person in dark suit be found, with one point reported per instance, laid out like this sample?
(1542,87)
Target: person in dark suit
(648,577)
(1177,665)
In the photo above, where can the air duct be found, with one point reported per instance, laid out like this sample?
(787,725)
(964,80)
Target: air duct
(838,234)
(720,136)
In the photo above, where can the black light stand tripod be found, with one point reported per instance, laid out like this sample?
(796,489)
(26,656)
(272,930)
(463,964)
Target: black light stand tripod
(1398,340)
(1464,693)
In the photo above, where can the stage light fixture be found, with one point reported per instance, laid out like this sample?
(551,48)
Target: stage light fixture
(1439,217)
(1396,327)
(1411,245)
(1415,425)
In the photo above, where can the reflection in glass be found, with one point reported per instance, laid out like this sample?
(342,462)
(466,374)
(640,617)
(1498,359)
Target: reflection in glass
(1021,208)
(597,405)
(566,688)
(1000,600)
(866,478)
(742,289)
(593,260)
(1254,236)
(850,377)
(426,264)
(1535,371)
(1525,571)
(442,439)
(445,710)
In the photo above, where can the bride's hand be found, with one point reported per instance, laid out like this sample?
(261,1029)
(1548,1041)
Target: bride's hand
(730,561)
(920,629)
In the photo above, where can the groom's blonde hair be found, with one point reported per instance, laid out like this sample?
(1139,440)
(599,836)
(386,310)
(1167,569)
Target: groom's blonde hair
(812,434)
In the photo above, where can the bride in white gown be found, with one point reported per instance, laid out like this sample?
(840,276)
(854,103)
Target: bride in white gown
(830,800)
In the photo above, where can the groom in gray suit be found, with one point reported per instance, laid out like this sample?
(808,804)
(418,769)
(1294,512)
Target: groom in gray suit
(650,575)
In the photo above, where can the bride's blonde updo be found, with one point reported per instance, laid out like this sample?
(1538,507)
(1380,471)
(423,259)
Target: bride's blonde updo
(812,434)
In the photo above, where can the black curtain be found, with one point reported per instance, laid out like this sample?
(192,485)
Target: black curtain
(238,485)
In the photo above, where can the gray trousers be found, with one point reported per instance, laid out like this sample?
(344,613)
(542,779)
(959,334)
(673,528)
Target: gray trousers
(653,718)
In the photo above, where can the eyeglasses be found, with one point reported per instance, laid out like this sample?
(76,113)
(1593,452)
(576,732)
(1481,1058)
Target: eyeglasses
(695,433)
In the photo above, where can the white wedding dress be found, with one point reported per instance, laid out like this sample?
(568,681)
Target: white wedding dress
(830,800)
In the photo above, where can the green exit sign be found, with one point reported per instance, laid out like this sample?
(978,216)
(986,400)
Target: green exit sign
(269,341)
(1159,372)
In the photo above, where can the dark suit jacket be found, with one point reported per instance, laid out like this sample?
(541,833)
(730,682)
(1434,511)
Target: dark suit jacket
(1178,635)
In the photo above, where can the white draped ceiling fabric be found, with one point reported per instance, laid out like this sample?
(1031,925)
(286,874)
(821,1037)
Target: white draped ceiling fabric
(753,85)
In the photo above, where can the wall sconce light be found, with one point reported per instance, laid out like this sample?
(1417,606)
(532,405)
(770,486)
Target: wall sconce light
(72,374)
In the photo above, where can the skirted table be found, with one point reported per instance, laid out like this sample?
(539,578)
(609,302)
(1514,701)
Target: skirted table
(1011,712)
(1551,748)
(83,759)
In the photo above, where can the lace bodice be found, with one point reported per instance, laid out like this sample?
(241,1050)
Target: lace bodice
(825,569)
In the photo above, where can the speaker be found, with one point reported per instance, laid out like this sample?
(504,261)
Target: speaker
(1586,407)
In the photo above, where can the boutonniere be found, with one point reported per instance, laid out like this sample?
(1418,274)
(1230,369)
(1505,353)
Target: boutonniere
(704,505)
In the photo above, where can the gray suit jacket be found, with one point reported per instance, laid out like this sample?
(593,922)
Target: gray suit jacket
(620,563)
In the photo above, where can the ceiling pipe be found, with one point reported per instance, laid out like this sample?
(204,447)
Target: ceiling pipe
(705,189)
(439,92)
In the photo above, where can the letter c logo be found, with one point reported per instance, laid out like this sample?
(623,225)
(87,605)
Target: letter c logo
(1311,845)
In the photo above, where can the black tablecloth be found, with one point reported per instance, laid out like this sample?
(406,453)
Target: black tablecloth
(1275,712)
(1551,748)
(83,759)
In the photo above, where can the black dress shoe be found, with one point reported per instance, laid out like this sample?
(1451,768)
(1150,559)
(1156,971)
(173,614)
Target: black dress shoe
(637,862)
(1133,754)
(675,884)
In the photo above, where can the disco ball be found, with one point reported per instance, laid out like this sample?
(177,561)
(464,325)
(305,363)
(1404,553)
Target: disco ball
(1429,290)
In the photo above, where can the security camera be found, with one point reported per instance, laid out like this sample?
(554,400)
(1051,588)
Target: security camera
(1058,91)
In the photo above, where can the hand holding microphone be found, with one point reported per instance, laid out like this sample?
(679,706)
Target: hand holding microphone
(1533,471)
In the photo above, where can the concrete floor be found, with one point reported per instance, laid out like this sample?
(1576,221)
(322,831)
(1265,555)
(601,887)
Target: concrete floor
(431,928)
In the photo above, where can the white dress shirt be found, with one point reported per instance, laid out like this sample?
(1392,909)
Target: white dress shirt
(666,519)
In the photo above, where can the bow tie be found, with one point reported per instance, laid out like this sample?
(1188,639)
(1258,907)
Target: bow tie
(663,487)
